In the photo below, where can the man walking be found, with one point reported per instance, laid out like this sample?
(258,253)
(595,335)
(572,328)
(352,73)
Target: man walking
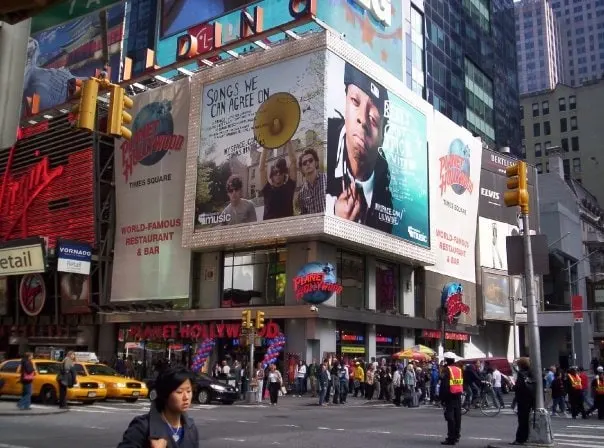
(497,386)
(323,383)
(451,389)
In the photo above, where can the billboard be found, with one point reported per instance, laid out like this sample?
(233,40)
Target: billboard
(75,292)
(455,157)
(491,237)
(149,261)
(373,27)
(496,296)
(261,152)
(71,50)
(179,15)
(377,155)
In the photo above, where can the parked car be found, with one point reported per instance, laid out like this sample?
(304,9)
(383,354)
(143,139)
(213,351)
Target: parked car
(45,387)
(205,390)
(502,364)
(119,387)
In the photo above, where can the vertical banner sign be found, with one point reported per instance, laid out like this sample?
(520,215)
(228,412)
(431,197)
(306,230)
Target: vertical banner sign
(74,257)
(149,261)
(455,158)
(577,308)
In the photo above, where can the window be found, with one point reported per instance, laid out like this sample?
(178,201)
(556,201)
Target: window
(539,167)
(561,104)
(479,102)
(254,278)
(564,142)
(537,149)
(574,143)
(545,107)
(522,135)
(536,129)
(547,130)
(351,275)
(547,167)
(573,124)
(10,367)
(566,166)
(386,286)
(576,165)
(521,113)
(563,125)
(572,102)
(79,368)
(535,109)
(415,57)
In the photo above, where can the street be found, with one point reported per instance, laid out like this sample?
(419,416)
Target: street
(296,422)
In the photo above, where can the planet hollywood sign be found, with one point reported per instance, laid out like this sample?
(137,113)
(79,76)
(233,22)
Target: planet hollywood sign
(196,331)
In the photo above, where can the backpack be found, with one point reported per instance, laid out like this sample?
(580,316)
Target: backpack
(531,388)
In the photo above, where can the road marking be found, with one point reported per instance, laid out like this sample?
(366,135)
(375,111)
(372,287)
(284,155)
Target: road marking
(428,435)
(229,439)
(490,439)
(286,426)
(245,421)
(5,445)
(579,445)
(372,431)
(586,426)
(109,408)
(578,436)
(95,427)
(323,428)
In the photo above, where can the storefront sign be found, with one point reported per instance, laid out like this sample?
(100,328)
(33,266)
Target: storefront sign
(383,340)
(209,36)
(353,349)
(577,308)
(37,331)
(449,335)
(27,259)
(19,193)
(74,257)
(32,294)
(206,330)
(316,283)
(352,338)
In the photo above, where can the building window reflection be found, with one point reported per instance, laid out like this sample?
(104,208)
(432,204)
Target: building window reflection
(479,102)
(351,275)
(386,286)
(254,278)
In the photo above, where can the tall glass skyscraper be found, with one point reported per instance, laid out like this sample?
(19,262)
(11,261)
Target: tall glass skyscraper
(470,65)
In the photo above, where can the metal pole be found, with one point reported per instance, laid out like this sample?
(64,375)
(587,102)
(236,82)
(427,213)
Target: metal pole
(573,354)
(251,395)
(541,431)
(515,329)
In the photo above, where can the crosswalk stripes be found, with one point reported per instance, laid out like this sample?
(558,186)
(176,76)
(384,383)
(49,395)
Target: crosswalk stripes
(580,436)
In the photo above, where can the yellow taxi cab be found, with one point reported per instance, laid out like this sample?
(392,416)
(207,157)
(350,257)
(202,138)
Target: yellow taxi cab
(119,387)
(45,387)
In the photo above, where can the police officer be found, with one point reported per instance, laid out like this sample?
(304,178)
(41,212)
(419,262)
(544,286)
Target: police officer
(451,389)
(574,388)
(598,389)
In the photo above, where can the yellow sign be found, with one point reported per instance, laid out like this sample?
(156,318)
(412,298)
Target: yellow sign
(352,349)
(22,260)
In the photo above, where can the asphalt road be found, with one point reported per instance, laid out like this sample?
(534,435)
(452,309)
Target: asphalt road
(296,422)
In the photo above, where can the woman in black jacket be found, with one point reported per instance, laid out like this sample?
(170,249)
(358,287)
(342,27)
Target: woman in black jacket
(525,399)
(27,376)
(166,425)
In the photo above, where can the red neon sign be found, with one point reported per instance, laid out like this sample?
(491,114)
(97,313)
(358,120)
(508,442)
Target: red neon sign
(309,283)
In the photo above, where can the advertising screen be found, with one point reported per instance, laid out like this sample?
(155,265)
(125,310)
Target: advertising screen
(261,153)
(149,260)
(496,297)
(377,155)
(71,50)
(492,242)
(455,158)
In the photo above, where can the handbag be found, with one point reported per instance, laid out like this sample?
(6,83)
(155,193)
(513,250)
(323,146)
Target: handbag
(28,376)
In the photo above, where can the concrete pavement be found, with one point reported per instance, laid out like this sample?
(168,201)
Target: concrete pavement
(9,408)
(296,422)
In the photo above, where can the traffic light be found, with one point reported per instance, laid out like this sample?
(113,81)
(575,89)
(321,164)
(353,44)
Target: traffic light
(259,320)
(118,117)
(85,111)
(246,319)
(517,194)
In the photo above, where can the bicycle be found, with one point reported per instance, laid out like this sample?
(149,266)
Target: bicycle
(487,402)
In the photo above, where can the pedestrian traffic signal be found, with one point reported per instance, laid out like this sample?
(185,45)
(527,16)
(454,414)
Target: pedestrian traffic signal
(246,319)
(259,320)
(85,111)
(118,117)
(517,194)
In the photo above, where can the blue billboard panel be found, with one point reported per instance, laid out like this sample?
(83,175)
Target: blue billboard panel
(71,50)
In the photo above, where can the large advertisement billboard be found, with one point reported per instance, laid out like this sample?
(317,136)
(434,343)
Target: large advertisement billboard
(491,237)
(149,260)
(71,50)
(261,152)
(455,159)
(496,296)
(377,155)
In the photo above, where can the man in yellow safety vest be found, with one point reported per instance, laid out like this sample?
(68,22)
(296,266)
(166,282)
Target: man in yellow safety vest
(575,393)
(597,386)
(451,389)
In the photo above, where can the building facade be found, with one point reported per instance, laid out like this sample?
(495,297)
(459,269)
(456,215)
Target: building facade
(537,46)
(472,74)
(581,27)
(564,118)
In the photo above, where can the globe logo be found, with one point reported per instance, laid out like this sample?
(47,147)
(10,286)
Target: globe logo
(160,112)
(460,149)
(316,282)
(451,300)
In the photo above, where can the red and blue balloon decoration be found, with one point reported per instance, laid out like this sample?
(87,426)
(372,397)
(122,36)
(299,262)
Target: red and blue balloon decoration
(275,347)
(204,350)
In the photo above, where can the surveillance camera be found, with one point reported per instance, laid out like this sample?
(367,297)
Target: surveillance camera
(314,309)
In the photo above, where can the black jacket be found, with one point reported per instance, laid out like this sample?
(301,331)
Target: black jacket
(381,188)
(525,389)
(152,426)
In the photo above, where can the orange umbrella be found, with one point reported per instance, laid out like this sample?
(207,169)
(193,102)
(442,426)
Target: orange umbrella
(411,354)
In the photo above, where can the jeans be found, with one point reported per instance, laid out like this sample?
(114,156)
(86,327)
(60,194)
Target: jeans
(300,389)
(343,391)
(322,394)
(524,414)
(25,401)
(558,402)
(62,396)
(498,395)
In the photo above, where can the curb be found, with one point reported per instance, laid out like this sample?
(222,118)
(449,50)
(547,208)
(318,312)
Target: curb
(527,445)
(35,413)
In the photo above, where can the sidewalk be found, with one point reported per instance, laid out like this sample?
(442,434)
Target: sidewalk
(9,408)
